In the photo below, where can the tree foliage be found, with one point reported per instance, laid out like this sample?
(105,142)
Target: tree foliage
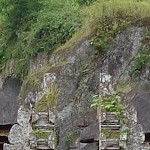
(30,26)
(112,103)
(85,2)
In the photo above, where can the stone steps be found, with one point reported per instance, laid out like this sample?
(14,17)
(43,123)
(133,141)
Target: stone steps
(44,127)
(110,118)
(110,127)
(41,141)
(110,123)
(42,144)
(43,148)
(111,148)
(110,144)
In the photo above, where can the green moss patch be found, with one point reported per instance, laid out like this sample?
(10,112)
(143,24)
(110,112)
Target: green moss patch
(48,100)
(33,82)
(71,140)
(140,62)
(111,134)
(42,134)
(125,87)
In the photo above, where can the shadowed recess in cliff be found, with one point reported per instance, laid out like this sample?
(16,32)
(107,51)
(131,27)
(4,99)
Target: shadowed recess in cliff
(8,101)
(141,102)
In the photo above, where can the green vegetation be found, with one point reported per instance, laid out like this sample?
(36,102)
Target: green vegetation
(71,140)
(48,100)
(106,32)
(104,19)
(28,27)
(33,82)
(111,134)
(125,86)
(112,103)
(42,134)
(84,2)
(140,61)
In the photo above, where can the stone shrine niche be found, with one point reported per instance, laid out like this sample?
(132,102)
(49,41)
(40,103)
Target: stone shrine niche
(43,116)
(8,107)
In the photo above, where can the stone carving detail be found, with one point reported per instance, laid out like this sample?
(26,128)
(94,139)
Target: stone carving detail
(44,121)
(45,127)
(110,123)
(19,133)
(137,136)
(105,84)
(49,78)
(31,99)
(23,117)
(21,136)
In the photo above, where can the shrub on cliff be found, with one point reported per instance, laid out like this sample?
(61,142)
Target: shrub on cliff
(28,27)
(85,2)
(31,26)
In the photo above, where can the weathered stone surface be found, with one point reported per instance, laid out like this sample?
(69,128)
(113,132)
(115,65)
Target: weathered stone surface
(19,134)
(90,132)
(8,100)
(81,87)
(65,113)
(31,99)
(37,63)
(48,80)
(92,146)
(52,116)
(137,137)
(124,48)
(13,147)
(24,116)
(78,80)
(141,102)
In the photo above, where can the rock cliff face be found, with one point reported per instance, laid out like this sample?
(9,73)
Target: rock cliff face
(8,101)
(75,73)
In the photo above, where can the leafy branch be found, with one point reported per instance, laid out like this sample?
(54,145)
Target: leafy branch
(112,103)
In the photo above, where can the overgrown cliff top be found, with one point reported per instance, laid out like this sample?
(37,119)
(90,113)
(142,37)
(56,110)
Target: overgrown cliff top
(28,27)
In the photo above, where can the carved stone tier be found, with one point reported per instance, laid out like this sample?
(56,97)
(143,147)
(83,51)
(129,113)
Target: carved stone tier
(44,127)
(110,144)
(110,127)
(42,144)
(112,148)
(110,118)
(43,116)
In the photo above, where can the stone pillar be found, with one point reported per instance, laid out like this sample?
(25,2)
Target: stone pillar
(19,133)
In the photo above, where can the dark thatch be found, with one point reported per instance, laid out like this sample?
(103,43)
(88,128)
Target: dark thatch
(141,103)
(8,101)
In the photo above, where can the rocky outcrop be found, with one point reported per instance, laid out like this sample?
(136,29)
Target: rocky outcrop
(76,72)
(19,133)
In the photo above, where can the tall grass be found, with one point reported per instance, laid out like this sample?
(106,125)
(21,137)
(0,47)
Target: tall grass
(132,12)
(62,21)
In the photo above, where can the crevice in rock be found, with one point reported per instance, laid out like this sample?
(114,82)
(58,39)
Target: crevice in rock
(147,137)
(3,139)
(82,126)
(4,131)
(87,140)
(6,127)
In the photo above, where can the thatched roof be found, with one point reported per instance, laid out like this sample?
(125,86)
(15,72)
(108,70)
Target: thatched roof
(8,101)
(141,103)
